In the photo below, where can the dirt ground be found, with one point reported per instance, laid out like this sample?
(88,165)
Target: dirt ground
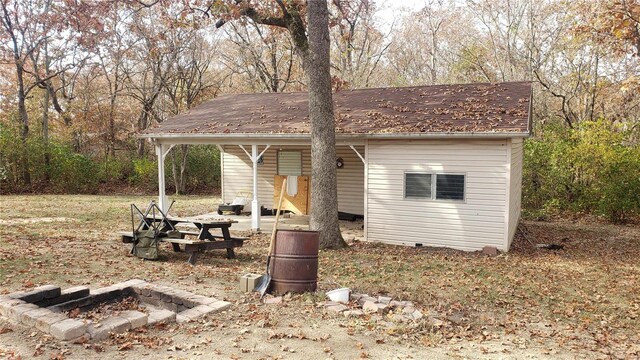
(579,302)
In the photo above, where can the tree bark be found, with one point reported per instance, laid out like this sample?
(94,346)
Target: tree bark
(178,169)
(324,194)
(45,135)
(24,133)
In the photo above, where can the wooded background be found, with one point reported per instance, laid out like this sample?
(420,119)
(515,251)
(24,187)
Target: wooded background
(79,80)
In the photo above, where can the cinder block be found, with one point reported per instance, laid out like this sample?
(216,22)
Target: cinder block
(98,331)
(249,281)
(37,294)
(131,283)
(136,318)
(157,316)
(72,304)
(117,324)
(220,305)
(105,293)
(44,323)
(6,305)
(68,329)
(69,294)
(204,309)
(208,300)
(15,312)
(29,318)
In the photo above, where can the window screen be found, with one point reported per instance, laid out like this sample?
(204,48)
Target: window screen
(449,187)
(290,163)
(417,185)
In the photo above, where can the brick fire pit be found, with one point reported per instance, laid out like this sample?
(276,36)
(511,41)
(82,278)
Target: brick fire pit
(46,308)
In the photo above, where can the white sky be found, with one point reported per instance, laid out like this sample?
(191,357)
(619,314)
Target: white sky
(388,10)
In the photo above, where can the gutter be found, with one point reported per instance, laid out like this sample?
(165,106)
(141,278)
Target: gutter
(339,136)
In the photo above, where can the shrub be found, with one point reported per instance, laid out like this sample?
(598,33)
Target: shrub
(72,172)
(145,173)
(589,169)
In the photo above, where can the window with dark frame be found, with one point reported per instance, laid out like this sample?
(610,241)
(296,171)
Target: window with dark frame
(434,186)
(449,187)
(417,185)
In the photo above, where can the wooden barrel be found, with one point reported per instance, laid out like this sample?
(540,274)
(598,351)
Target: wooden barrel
(294,264)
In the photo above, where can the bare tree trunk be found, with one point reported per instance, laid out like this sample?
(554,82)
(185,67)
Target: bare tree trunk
(24,118)
(178,170)
(45,135)
(324,194)
(142,125)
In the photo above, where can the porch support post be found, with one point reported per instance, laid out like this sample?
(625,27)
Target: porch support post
(161,189)
(255,205)
(357,153)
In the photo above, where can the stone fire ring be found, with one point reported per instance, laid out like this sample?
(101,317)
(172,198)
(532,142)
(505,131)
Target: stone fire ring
(44,307)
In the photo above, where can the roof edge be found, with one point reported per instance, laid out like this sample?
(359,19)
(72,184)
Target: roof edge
(428,135)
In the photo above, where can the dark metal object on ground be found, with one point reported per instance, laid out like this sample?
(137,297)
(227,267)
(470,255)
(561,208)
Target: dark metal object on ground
(263,285)
(236,209)
(295,261)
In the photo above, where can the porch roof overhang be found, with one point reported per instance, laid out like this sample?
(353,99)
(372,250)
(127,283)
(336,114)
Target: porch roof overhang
(305,139)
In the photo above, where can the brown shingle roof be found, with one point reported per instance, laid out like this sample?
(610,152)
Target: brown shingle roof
(465,108)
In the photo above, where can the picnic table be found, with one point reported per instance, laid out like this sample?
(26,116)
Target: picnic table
(204,239)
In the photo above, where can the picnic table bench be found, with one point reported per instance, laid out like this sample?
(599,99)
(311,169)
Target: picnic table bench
(204,239)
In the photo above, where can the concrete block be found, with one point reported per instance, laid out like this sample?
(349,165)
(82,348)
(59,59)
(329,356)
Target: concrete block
(157,316)
(249,281)
(204,309)
(37,294)
(117,324)
(144,290)
(69,294)
(8,304)
(68,329)
(189,301)
(131,283)
(98,331)
(72,304)
(29,318)
(208,301)
(105,293)
(136,318)
(182,319)
(44,323)
(15,312)
(220,305)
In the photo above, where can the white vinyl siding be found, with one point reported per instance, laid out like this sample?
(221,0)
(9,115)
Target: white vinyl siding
(471,224)
(238,175)
(515,188)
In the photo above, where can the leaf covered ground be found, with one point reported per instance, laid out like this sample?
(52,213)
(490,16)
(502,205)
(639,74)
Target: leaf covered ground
(582,301)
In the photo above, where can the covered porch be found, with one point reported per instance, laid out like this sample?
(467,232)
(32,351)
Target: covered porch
(252,166)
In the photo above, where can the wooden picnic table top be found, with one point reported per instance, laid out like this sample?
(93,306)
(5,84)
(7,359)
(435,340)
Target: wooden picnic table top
(196,221)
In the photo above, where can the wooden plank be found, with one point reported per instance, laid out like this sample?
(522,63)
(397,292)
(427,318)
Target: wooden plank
(210,245)
(195,221)
(299,203)
(232,238)
(182,241)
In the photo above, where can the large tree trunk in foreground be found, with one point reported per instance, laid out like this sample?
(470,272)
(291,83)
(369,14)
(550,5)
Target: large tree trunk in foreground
(324,193)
